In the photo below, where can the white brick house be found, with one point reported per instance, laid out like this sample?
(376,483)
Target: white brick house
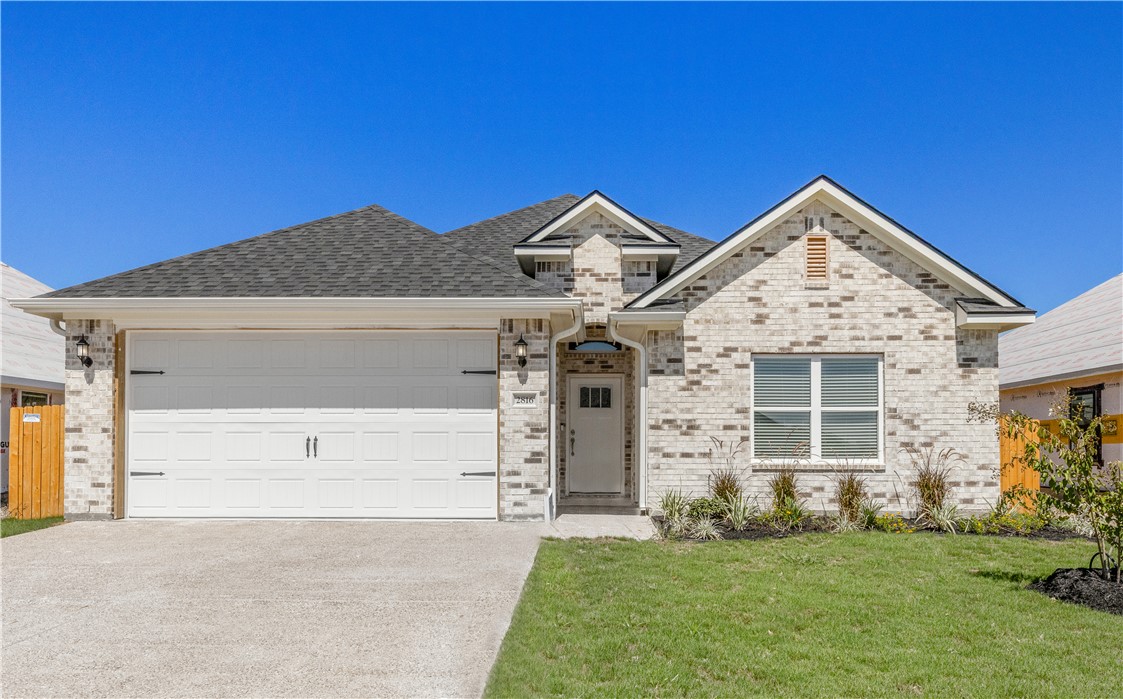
(566,355)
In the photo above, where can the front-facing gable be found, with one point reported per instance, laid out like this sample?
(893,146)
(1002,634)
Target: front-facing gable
(985,304)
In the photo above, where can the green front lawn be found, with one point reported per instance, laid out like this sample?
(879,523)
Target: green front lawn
(821,615)
(11,527)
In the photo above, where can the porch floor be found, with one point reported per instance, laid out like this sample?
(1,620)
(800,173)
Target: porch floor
(586,504)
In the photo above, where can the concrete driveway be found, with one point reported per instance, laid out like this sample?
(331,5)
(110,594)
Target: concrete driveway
(241,609)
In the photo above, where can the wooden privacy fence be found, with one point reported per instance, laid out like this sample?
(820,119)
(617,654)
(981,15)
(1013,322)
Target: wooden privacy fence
(1011,453)
(36,437)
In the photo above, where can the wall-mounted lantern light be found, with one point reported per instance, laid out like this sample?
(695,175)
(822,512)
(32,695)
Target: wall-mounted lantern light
(83,347)
(520,350)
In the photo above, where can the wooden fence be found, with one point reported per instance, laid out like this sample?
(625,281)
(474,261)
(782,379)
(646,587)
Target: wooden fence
(35,450)
(1011,451)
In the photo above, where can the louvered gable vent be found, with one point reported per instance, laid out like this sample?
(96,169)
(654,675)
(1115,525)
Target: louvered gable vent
(817,263)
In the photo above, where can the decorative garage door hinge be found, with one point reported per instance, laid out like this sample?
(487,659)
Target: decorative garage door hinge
(477,473)
(144,371)
(479,371)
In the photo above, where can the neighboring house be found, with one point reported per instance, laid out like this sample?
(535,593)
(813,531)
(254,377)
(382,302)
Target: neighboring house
(1073,351)
(31,367)
(567,354)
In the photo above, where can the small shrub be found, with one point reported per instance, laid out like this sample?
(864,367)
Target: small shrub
(739,513)
(674,504)
(784,486)
(706,507)
(933,476)
(705,528)
(1002,522)
(869,513)
(724,485)
(841,524)
(850,489)
(942,518)
(788,514)
(893,523)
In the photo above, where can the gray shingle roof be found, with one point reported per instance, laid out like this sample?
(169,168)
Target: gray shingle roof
(369,252)
(496,237)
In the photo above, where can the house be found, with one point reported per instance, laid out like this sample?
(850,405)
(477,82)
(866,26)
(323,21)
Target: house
(1074,351)
(31,367)
(568,354)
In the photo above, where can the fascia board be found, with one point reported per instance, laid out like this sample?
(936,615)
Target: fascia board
(297,312)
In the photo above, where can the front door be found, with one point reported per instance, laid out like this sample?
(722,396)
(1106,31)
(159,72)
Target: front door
(595,434)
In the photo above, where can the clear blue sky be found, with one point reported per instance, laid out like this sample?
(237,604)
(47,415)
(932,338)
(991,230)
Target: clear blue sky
(133,133)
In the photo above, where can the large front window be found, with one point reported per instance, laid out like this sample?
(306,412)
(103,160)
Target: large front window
(817,408)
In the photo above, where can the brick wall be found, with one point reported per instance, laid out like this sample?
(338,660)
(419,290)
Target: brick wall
(876,301)
(524,446)
(88,480)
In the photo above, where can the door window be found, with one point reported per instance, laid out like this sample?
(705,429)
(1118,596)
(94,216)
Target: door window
(596,397)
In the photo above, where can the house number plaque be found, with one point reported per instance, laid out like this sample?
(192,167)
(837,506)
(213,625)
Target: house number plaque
(524,399)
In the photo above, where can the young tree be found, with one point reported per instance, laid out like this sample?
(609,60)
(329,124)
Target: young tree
(1073,483)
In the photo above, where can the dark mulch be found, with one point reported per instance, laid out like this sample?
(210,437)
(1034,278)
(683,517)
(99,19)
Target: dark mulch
(1082,586)
(759,530)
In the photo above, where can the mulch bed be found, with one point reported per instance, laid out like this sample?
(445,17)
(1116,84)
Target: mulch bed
(1082,586)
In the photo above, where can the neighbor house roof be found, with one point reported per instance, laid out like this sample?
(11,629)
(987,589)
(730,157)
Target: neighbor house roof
(32,352)
(1079,338)
(496,237)
(369,252)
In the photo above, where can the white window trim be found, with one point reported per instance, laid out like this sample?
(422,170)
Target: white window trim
(816,409)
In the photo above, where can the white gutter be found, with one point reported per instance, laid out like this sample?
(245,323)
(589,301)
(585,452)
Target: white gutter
(639,450)
(552,496)
(63,305)
(57,327)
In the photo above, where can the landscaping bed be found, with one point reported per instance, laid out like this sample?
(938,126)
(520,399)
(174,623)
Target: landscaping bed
(1082,586)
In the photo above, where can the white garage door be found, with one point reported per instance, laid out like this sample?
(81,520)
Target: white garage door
(312,424)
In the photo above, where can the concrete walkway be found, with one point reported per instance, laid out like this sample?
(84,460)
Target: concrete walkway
(259,609)
(592,526)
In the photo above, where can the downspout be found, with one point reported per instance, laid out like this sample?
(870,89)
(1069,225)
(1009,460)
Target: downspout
(57,327)
(640,449)
(552,497)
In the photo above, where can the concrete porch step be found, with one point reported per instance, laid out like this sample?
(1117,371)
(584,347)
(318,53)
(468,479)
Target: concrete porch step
(567,509)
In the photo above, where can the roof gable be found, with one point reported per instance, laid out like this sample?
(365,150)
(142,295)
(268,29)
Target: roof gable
(879,225)
(597,202)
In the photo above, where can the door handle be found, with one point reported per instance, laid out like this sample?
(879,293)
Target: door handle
(307,447)
(572,442)
(316,447)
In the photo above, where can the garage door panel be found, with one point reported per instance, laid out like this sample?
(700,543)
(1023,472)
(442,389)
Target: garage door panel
(395,423)
(381,354)
(150,354)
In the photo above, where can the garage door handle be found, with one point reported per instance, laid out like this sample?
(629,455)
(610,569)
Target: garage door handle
(316,447)
(307,447)
(477,473)
(146,473)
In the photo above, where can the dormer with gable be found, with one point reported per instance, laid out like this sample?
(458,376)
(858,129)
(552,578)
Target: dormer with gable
(598,251)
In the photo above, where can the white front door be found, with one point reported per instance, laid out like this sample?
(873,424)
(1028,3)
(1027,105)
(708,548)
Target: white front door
(312,424)
(595,434)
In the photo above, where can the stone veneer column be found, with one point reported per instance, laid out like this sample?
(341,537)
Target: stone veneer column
(524,433)
(88,468)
